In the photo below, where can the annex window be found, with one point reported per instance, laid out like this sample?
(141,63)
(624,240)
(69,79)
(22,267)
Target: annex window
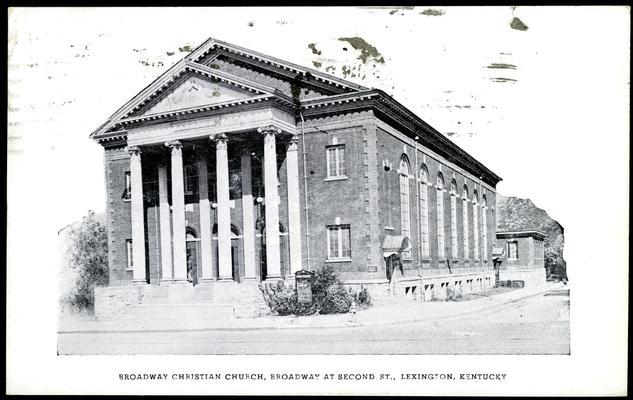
(335,161)
(339,242)
(424,210)
(475,225)
(127,194)
(440,216)
(484,227)
(128,253)
(454,219)
(465,219)
(513,250)
(405,211)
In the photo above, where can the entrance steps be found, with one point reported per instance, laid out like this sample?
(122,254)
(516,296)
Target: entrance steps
(182,303)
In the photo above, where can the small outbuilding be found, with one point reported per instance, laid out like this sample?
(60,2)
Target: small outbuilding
(521,257)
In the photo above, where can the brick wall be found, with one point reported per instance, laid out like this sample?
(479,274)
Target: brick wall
(117,162)
(361,201)
(391,147)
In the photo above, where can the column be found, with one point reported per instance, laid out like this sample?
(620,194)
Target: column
(178,211)
(273,264)
(225,265)
(294,205)
(138,223)
(165,225)
(206,253)
(247,216)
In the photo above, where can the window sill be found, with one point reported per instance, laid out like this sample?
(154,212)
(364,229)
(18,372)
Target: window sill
(130,199)
(336,178)
(338,260)
(130,269)
(389,228)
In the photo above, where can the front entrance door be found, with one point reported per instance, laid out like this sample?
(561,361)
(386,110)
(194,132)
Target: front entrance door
(192,258)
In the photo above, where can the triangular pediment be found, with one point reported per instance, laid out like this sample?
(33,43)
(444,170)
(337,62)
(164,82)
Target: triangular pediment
(220,73)
(196,91)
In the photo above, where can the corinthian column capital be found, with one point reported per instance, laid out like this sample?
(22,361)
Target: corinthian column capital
(293,145)
(134,150)
(220,140)
(174,144)
(270,129)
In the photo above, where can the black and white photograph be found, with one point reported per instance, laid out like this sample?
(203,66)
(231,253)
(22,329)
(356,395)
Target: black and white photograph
(402,200)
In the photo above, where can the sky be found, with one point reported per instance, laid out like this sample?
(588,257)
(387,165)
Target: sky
(540,95)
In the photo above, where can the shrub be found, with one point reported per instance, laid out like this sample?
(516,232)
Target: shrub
(336,300)
(362,297)
(87,254)
(328,296)
(453,295)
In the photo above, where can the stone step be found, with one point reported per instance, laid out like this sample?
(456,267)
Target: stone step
(168,312)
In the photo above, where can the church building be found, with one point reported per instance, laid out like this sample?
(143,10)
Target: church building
(235,167)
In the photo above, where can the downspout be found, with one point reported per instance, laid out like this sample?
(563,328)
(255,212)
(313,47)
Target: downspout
(306,207)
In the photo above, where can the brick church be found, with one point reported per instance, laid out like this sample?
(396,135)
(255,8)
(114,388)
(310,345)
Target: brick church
(234,167)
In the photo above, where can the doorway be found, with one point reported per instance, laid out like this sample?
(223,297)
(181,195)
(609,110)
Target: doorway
(236,252)
(193,255)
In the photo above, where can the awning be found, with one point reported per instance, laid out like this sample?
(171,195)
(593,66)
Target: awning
(497,252)
(395,244)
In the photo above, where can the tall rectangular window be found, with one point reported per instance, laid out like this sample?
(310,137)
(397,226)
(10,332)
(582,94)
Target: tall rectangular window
(513,250)
(128,253)
(191,177)
(484,227)
(440,223)
(335,161)
(454,225)
(424,213)
(127,194)
(339,242)
(466,230)
(476,230)
(405,211)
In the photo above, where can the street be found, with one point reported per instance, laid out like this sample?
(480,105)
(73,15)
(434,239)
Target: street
(533,325)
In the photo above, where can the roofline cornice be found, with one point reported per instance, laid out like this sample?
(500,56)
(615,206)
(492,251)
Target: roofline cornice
(211,44)
(211,109)
(381,102)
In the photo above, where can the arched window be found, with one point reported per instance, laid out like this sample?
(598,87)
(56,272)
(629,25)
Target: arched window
(453,219)
(440,215)
(424,210)
(484,227)
(465,219)
(235,232)
(405,212)
(475,225)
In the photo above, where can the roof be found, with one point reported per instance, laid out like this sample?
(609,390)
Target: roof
(516,234)
(341,96)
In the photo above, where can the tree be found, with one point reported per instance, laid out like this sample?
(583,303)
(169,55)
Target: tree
(87,255)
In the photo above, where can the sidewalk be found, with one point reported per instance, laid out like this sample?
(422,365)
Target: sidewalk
(403,310)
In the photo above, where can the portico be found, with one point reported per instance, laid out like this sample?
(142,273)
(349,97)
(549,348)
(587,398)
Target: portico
(214,178)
